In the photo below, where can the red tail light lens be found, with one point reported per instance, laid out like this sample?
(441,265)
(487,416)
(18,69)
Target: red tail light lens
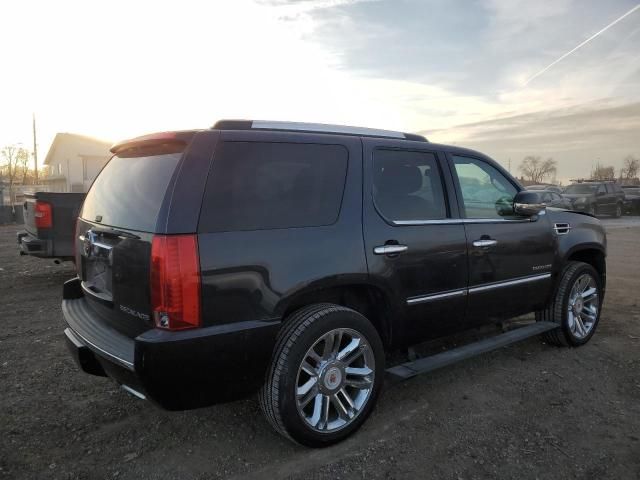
(175,281)
(43,214)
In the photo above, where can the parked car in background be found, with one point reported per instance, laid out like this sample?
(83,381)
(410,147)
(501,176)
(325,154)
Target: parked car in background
(632,199)
(549,188)
(49,224)
(596,197)
(288,259)
(551,199)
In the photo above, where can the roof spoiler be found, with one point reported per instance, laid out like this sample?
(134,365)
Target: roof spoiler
(154,139)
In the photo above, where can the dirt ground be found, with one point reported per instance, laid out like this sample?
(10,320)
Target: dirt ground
(526,411)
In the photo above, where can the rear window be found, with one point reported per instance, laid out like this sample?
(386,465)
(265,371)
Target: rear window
(129,191)
(261,185)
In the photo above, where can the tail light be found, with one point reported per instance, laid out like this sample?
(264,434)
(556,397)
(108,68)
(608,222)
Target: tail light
(43,214)
(175,281)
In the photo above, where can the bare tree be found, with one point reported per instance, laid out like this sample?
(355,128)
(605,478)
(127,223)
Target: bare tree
(536,170)
(630,168)
(22,161)
(11,155)
(603,173)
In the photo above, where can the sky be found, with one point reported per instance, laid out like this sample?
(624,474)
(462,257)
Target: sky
(460,71)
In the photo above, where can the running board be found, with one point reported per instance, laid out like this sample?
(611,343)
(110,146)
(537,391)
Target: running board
(439,360)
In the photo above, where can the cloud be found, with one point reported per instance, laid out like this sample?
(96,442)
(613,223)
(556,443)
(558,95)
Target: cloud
(486,48)
(577,137)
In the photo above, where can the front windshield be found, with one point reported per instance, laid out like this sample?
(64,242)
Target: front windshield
(581,188)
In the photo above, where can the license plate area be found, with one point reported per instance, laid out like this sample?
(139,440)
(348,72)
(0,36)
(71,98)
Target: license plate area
(97,265)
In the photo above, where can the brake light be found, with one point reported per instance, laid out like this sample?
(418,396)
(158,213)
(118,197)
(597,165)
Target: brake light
(175,281)
(43,214)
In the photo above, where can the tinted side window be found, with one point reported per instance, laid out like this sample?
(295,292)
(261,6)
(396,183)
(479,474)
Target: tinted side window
(601,188)
(486,193)
(407,185)
(610,188)
(261,185)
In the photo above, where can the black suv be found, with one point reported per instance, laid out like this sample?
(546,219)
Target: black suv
(289,258)
(596,197)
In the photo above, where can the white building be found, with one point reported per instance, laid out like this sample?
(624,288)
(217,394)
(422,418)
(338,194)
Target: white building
(73,161)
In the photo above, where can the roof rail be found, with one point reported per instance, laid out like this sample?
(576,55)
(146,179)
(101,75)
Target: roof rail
(313,127)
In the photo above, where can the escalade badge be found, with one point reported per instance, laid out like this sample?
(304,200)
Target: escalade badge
(541,267)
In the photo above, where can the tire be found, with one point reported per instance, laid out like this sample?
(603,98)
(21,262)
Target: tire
(593,210)
(618,211)
(561,311)
(315,327)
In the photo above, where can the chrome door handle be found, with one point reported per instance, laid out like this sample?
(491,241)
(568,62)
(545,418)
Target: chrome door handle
(485,243)
(390,249)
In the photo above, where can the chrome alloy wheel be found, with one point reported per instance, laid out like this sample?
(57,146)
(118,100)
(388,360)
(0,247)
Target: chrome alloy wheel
(335,380)
(583,306)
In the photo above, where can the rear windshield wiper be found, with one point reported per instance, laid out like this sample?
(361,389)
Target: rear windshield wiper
(115,232)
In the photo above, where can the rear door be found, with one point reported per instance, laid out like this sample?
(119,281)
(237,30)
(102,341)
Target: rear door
(414,239)
(510,258)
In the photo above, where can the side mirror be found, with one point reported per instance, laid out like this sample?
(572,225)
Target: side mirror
(527,204)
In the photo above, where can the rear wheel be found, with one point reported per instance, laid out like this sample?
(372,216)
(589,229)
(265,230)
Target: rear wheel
(575,306)
(325,376)
(618,211)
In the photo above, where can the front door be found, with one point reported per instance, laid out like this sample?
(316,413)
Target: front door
(510,258)
(415,241)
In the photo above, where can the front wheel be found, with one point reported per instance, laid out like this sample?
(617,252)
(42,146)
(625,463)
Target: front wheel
(325,377)
(575,306)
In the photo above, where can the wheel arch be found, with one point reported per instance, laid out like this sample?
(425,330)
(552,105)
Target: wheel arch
(368,299)
(594,255)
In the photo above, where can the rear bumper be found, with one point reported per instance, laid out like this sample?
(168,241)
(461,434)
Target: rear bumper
(31,245)
(176,370)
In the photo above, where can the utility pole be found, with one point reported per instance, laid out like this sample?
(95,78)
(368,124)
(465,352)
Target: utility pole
(35,150)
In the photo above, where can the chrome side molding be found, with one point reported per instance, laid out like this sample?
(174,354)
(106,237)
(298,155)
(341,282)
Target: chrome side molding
(480,288)
(437,296)
(509,283)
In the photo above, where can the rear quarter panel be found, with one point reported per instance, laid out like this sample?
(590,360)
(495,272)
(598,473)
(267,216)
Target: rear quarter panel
(253,275)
